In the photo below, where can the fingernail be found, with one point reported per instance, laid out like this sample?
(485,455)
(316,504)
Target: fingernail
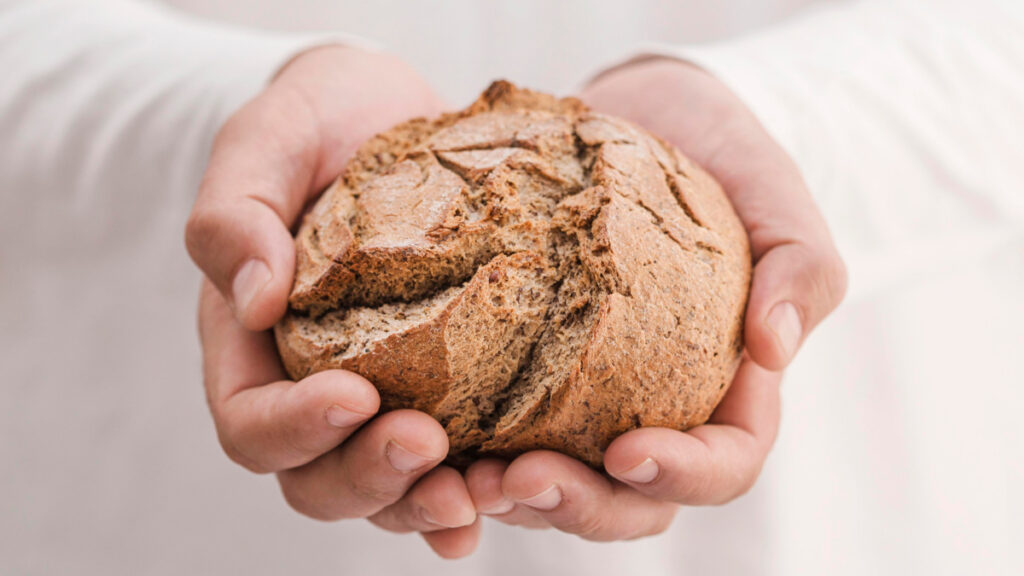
(784,321)
(643,473)
(404,460)
(429,518)
(546,500)
(503,507)
(341,418)
(250,280)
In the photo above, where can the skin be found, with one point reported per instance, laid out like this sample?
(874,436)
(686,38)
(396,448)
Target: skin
(334,458)
(798,279)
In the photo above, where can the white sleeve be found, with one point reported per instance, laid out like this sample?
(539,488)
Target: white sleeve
(906,118)
(103,99)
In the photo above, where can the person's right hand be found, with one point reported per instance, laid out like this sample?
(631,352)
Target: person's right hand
(269,160)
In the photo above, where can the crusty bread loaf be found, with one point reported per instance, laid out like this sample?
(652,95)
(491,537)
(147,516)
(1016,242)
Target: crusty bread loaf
(532,274)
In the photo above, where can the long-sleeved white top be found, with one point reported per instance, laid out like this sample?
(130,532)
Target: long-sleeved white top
(899,452)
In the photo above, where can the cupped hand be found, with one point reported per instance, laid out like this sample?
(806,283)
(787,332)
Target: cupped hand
(333,457)
(798,279)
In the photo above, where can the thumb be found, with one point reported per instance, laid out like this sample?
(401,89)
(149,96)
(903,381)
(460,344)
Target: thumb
(795,286)
(276,154)
(799,277)
(260,175)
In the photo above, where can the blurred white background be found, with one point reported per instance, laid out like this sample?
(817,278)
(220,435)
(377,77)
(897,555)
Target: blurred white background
(901,447)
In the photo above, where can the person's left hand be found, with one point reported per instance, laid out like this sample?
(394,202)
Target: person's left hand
(653,471)
(798,279)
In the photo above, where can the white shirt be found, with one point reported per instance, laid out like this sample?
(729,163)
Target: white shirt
(900,451)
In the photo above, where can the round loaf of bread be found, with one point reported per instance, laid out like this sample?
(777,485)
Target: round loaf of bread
(530,273)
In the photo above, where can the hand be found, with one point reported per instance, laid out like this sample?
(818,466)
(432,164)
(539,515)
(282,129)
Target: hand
(798,279)
(269,160)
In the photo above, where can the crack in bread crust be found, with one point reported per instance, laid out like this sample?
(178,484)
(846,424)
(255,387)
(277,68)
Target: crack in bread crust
(491,266)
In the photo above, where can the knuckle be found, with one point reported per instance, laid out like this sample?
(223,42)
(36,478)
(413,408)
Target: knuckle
(745,486)
(299,440)
(734,484)
(301,501)
(310,493)
(826,279)
(660,524)
(693,488)
(745,482)
(227,436)
(587,526)
(300,446)
(200,230)
(373,494)
(832,277)
(239,457)
(386,520)
(695,491)
(839,279)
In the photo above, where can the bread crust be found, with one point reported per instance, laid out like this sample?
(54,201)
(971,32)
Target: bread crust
(531,273)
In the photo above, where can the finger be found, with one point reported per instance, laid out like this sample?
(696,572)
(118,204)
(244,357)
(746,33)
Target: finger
(455,542)
(283,424)
(710,464)
(795,286)
(260,175)
(799,277)
(280,151)
(575,499)
(438,501)
(371,471)
(483,480)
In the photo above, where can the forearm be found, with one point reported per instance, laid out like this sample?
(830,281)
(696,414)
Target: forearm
(904,117)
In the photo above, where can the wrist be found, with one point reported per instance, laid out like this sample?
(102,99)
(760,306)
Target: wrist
(673,98)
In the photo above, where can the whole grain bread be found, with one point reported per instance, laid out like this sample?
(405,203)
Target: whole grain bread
(531,273)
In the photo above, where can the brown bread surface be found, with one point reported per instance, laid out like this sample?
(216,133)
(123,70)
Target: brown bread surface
(530,273)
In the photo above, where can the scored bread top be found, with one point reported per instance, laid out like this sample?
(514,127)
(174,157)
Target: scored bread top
(530,273)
